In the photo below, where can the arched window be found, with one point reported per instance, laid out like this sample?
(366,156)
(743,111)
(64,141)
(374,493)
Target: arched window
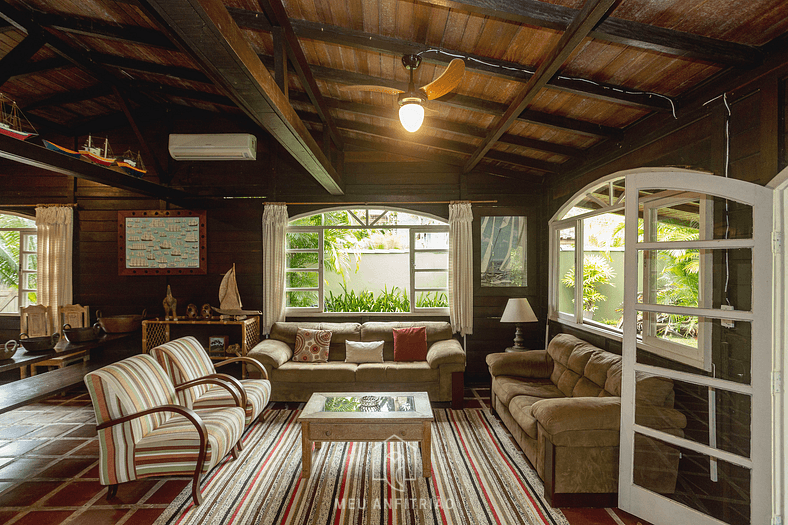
(367,260)
(18,263)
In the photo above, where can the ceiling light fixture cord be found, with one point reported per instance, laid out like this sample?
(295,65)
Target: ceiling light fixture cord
(562,77)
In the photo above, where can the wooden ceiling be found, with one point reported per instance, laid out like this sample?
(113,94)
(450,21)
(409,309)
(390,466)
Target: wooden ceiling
(546,82)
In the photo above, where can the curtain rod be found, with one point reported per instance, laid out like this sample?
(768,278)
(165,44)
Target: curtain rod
(367,203)
(67,205)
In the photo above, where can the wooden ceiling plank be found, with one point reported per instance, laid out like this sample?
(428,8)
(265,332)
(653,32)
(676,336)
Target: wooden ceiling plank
(435,142)
(100,29)
(464,102)
(40,66)
(40,157)
(181,73)
(434,123)
(19,55)
(642,36)
(70,97)
(298,59)
(206,30)
(491,66)
(592,13)
(443,158)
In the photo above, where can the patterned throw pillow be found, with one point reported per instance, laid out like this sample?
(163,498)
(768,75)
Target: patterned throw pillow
(311,346)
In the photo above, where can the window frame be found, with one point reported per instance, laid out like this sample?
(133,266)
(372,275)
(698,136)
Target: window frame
(367,222)
(22,275)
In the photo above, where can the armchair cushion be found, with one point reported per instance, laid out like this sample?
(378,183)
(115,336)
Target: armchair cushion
(185,360)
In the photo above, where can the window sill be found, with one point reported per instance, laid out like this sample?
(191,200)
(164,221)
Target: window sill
(591,329)
(434,313)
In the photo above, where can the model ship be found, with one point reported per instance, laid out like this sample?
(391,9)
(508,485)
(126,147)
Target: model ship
(96,154)
(11,121)
(230,305)
(60,149)
(131,164)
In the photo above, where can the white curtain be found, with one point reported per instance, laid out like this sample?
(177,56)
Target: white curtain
(461,267)
(274,228)
(55,230)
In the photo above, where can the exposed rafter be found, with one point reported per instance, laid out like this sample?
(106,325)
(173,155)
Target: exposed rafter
(97,29)
(617,30)
(592,13)
(19,55)
(205,28)
(298,59)
(491,66)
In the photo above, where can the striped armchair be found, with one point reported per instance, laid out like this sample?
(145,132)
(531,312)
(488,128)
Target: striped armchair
(143,431)
(186,362)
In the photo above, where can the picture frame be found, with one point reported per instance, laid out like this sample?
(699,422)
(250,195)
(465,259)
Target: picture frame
(217,344)
(162,242)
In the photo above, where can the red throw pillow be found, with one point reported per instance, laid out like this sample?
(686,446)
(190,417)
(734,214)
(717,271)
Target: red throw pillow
(410,344)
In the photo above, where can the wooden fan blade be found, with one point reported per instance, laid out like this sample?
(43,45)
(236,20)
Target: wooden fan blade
(377,89)
(447,81)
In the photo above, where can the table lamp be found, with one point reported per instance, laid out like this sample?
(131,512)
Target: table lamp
(518,311)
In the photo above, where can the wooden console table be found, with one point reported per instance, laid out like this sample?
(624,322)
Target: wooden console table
(156,332)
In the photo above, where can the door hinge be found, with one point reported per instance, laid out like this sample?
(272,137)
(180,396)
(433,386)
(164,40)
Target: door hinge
(777,242)
(777,381)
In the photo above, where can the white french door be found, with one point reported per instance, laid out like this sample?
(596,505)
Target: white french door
(698,311)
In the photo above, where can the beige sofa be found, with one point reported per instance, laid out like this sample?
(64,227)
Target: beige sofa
(440,375)
(563,407)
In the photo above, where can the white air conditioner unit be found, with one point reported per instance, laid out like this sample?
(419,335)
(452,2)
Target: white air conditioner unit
(224,146)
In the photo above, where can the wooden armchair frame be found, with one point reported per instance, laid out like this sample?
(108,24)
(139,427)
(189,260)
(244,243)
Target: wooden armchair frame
(243,359)
(198,423)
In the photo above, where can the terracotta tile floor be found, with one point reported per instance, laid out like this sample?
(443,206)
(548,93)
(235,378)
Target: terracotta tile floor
(49,471)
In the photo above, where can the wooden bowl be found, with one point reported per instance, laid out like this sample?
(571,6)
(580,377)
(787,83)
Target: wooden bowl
(120,323)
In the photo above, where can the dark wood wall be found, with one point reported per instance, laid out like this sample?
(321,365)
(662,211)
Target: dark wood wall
(234,224)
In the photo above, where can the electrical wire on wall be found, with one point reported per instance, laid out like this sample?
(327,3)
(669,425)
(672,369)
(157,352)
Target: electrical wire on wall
(562,77)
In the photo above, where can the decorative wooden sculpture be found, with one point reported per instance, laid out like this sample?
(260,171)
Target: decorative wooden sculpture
(192,312)
(170,303)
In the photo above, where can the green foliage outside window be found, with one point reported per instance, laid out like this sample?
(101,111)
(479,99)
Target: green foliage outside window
(9,254)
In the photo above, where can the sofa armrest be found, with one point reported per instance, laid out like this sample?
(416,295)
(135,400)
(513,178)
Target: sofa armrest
(444,352)
(568,414)
(533,363)
(272,353)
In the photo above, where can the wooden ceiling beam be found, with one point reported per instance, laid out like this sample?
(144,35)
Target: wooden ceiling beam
(491,66)
(70,97)
(434,123)
(206,31)
(463,101)
(40,66)
(592,13)
(299,62)
(19,55)
(180,73)
(400,135)
(635,34)
(100,29)
(42,158)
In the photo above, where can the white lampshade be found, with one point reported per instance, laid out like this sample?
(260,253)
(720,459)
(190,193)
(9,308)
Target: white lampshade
(518,311)
(411,115)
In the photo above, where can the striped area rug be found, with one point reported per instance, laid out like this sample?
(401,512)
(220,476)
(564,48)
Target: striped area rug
(478,477)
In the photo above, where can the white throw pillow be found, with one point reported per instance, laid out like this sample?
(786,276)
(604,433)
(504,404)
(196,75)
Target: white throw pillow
(363,352)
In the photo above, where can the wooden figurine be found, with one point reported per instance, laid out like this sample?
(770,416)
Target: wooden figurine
(192,312)
(206,311)
(170,304)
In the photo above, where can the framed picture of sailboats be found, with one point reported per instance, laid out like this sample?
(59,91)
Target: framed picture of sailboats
(162,242)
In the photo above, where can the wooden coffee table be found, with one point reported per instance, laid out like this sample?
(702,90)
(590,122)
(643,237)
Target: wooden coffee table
(377,416)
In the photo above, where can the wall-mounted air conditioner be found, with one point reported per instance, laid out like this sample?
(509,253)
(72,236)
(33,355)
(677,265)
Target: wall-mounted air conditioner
(223,146)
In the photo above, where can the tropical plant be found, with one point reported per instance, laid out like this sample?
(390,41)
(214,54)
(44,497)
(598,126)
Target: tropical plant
(427,301)
(393,300)
(9,252)
(596,271)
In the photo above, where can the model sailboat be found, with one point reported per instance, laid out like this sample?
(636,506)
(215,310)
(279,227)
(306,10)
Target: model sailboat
(10,120)
(230,300)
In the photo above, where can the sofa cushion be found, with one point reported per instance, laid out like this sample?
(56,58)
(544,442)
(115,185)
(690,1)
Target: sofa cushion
(372,372)
(570,355)
(410,372)
(331,372)
(340,332)
(363,352)
(410,344)
(447,351)
(311,346)
(376,331)
(520,409)
(508,387)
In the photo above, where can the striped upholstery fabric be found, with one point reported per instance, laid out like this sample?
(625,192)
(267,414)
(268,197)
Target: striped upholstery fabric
(185,359)
(127,450)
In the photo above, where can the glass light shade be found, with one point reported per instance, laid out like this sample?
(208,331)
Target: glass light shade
(411,115)
(518,311)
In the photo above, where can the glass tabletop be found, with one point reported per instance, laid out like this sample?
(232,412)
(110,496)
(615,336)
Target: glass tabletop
(369,404)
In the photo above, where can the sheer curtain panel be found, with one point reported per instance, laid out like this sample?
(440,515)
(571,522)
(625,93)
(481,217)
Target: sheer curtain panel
(461,267)
(55,230)
(274,227)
